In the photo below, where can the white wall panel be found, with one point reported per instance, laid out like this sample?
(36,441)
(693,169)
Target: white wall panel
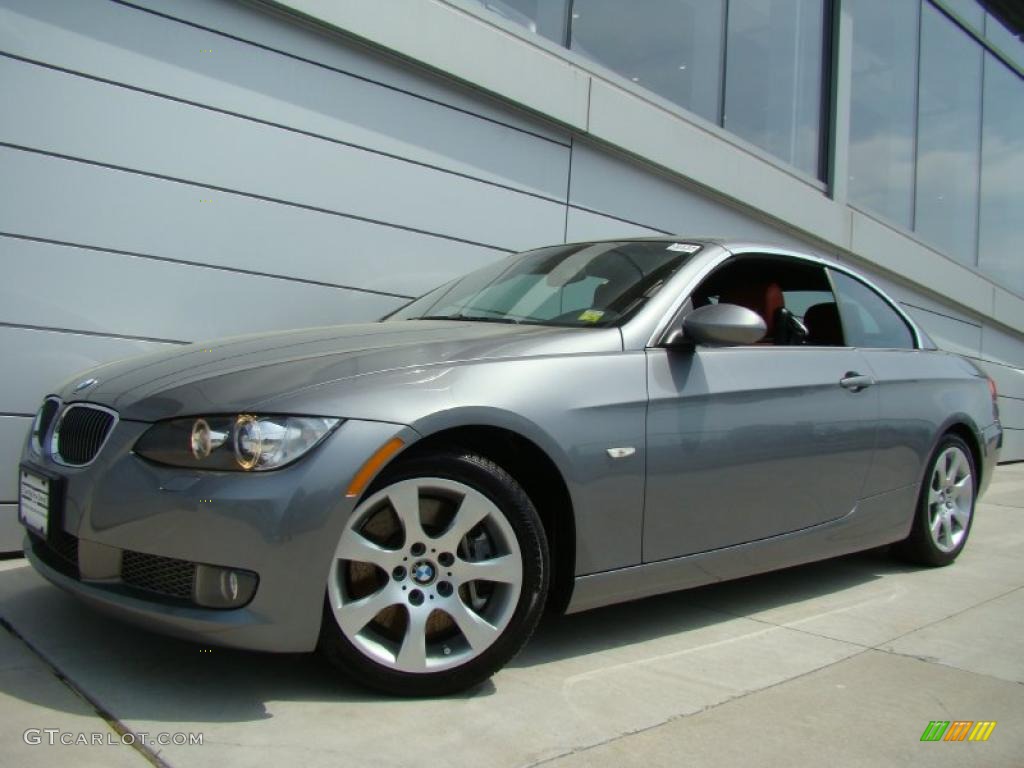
(463,45)
(1009,380)
(609,184)
(890,249)
(1013,445)
(89,205)
(44,359)
(584,225)
(116,294)
(1001,356)
(1011,413)
(156,136)
(144,50)
(11,532)
(999,346)
(647,129)
(13,431)
(253,23)
(948,333)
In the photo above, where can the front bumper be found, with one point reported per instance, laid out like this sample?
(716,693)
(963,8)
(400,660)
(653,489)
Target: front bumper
(282,525)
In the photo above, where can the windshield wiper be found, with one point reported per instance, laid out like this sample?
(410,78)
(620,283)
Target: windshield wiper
(471,318)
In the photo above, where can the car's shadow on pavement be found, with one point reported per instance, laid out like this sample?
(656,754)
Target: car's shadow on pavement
(140,676)
(638,621)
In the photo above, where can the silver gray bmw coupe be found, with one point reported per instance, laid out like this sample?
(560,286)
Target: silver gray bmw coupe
(569,427)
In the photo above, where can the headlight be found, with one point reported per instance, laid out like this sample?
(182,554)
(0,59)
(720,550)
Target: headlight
(245,442)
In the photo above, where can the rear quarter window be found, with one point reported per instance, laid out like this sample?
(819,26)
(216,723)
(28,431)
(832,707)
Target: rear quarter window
(869,321)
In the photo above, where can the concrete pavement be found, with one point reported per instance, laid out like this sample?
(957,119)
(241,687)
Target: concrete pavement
(843,662)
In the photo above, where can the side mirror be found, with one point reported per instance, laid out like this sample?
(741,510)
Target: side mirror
(723,325)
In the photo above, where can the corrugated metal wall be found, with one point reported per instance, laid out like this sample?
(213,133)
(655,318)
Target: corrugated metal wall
(174,171)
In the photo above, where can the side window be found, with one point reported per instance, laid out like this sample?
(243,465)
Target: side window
(793,297)
(868,319)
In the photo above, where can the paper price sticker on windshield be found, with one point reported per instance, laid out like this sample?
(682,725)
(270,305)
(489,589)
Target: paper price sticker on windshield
(591,315)
(683,248)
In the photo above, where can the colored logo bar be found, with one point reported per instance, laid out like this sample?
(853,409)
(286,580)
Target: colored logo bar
(958,730)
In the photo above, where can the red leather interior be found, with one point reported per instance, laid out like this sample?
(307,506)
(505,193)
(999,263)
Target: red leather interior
(764,298)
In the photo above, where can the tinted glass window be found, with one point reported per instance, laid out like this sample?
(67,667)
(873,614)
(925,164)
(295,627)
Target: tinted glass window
(1002,177)
(949,135)
(774,77)
(868,319)
(882,107)
(543,17)
(672,47)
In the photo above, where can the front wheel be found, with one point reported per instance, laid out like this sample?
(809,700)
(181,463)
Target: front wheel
(945,507)
(438,579)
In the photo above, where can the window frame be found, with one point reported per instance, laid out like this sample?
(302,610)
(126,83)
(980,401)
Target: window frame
(687,307)
(683,304)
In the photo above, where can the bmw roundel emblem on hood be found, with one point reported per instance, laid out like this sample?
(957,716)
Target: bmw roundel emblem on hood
(84,385)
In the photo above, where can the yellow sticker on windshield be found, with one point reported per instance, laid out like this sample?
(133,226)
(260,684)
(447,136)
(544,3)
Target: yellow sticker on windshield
(591,315)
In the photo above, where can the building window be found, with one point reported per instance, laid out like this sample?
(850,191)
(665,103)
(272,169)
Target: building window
(548,18)
(773,86)
(1002,176)
(671,47)
(883,107)
(948,137)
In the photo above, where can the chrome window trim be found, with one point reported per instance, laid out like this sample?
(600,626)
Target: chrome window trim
(54,456)
(752,250)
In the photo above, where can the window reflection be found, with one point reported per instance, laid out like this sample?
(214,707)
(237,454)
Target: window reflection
(543,17)
(773,90)
(672,47)
(883,107)
(949,132)
(1002,176)
(918,153)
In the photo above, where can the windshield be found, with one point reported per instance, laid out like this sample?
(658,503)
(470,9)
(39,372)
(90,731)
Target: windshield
(582,285)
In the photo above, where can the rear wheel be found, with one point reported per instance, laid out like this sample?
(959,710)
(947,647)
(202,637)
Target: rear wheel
(945,507)
(438,579)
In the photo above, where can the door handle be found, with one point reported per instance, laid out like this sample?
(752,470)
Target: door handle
(855,382)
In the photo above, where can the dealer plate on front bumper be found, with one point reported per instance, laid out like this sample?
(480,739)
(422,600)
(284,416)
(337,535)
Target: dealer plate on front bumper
(34,501)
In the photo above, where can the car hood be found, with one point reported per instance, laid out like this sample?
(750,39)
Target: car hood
(249,373)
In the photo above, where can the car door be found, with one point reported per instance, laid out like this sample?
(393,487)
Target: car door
(913,384)
(750,442)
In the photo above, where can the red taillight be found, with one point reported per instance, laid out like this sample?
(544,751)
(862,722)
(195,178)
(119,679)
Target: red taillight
(992,389)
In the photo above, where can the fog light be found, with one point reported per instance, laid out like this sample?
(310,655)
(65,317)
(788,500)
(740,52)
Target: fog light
(223,587)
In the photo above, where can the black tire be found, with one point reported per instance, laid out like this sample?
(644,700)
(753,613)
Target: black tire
(502,489)
(920,546)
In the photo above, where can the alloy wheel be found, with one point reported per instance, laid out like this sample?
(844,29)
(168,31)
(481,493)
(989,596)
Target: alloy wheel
(950,499)
(426,576)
